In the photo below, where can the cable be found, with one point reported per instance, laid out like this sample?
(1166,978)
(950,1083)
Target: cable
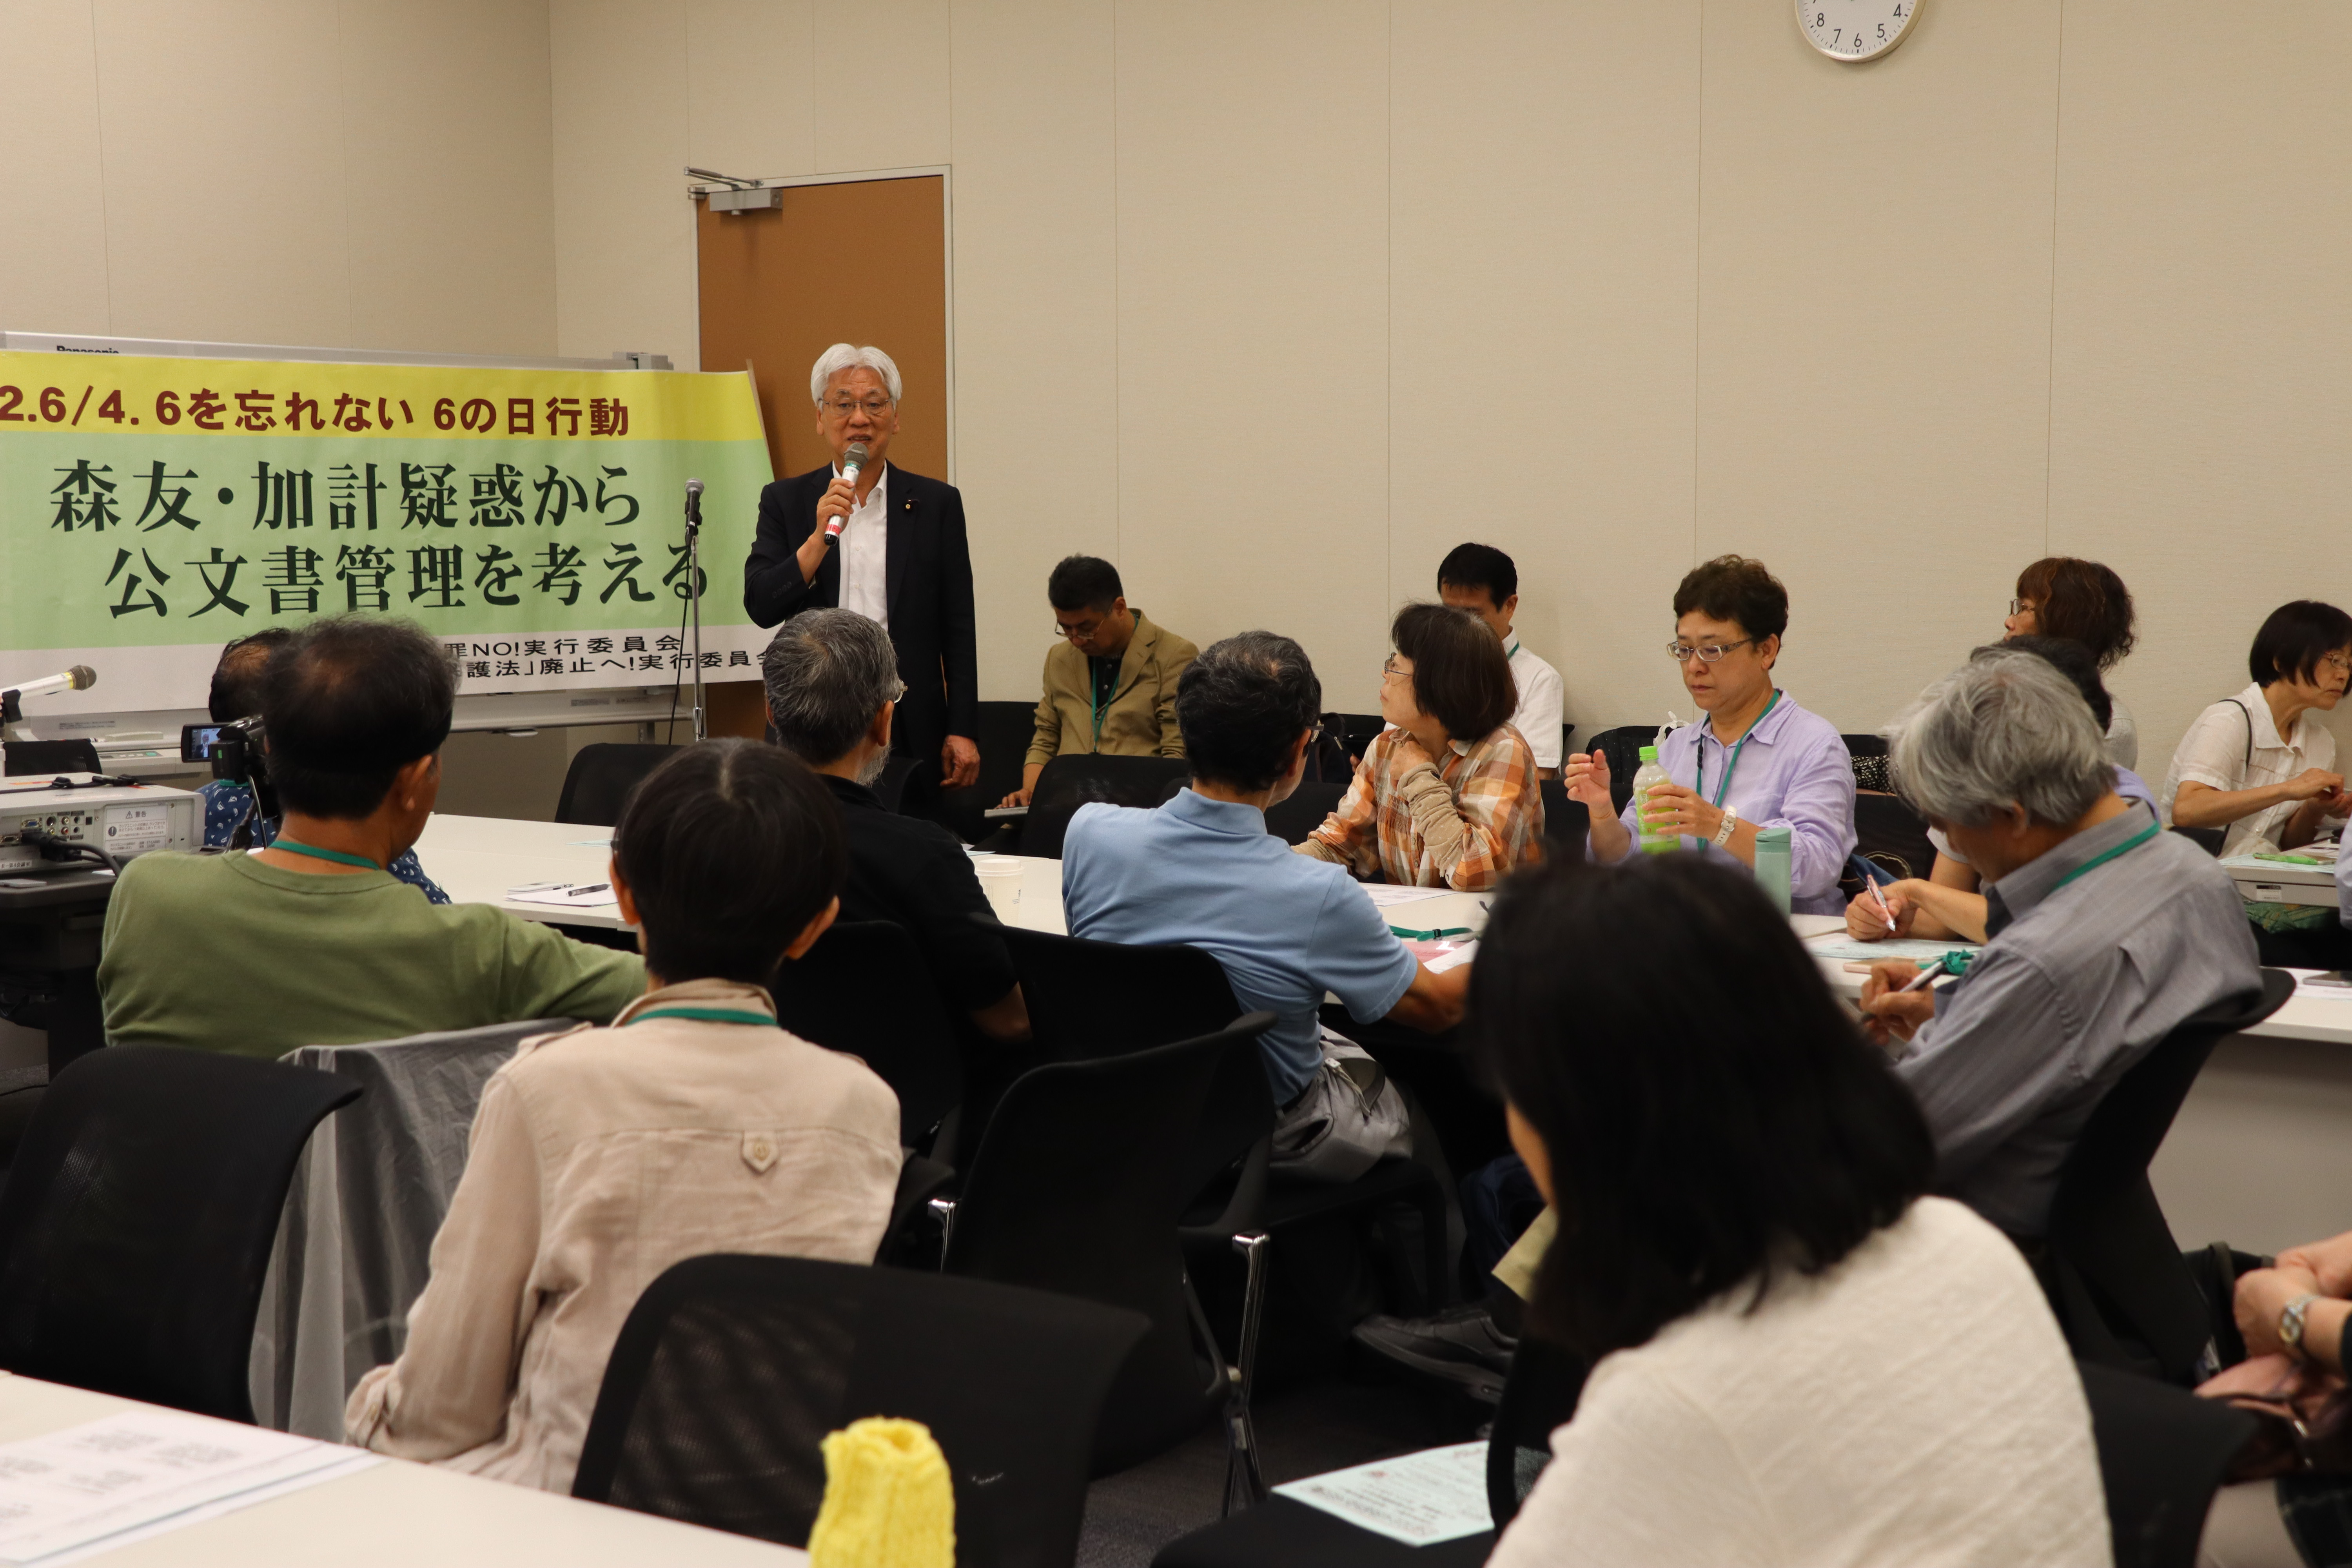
(53,847)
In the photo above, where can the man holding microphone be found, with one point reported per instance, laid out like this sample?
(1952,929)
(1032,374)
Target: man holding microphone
(859,534)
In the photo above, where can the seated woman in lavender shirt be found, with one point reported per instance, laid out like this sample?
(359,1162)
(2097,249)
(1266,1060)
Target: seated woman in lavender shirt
(1756,761)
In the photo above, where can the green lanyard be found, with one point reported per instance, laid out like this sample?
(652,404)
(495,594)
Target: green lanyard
(2133,842)
(317,854)
(1732,766)
(709,1016)
(1095,697)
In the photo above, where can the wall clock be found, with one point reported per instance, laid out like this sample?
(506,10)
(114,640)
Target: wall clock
(1852,30)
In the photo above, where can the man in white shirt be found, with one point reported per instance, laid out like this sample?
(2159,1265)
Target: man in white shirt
(1482,580)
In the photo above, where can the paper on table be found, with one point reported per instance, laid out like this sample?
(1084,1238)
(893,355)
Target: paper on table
(2309,983)
(589,896)
(1454,959)
(1384,894)
(1437,1494)
(1918,951)
(357,1462)
(68,1488)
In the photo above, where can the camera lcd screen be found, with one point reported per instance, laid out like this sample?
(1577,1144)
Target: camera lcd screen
(197,742)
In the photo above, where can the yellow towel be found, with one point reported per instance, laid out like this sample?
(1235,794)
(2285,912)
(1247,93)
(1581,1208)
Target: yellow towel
(889,1502)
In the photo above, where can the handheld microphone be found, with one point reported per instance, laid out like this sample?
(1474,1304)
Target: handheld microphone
(852,462)
(80,678)
(694,501)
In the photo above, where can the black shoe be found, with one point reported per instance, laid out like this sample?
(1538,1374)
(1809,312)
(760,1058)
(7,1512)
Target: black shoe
(1461,1345)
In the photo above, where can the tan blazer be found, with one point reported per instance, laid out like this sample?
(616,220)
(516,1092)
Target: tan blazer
(1142,719)
(599,1158)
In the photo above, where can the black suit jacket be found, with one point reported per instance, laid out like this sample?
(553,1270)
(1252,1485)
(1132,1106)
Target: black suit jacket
(928,590)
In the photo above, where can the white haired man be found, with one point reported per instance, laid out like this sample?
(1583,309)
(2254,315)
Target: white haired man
(900,559)
(2105,931)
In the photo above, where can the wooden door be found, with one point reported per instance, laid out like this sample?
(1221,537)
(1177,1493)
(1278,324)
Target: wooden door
(863,261)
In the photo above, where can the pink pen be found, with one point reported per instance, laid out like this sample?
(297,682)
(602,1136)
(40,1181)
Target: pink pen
(1888,914)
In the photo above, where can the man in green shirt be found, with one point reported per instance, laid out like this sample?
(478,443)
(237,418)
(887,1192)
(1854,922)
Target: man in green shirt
(311,941)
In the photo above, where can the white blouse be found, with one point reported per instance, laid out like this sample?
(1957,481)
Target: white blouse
(2235,745)
(1915,1404)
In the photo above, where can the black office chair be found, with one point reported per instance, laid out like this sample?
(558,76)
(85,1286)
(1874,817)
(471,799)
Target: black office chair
(864,989)
(1076,1188)
(732,1370)
(1290,820)
(1070,782)
(1540,1394)
(1090,999)
(139,1217)
(597,785)
(1005,731)
(1890,834)
(2209,839)
(34,758)
(2162,1455)
(1355,732)
(1566,823)
(1622,748)
(2123,1293)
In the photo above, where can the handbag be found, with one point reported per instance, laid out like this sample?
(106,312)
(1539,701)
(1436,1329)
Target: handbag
(1349,1118)
(2303,1416)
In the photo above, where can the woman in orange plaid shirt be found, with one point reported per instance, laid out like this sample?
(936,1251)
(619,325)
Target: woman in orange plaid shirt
(1447,795)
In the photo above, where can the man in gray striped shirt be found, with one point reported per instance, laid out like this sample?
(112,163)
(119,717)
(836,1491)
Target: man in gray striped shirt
(2106,932)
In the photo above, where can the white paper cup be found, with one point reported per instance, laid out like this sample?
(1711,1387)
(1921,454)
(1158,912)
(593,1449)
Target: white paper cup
(999,878)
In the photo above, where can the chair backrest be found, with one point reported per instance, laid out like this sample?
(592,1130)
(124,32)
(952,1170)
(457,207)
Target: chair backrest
(864,989)
(1622,747)
(1078,1187)
(1539,1394)
(2209,839)
(1888,833)
(19,758)
(2122,1290)
(1355,731)
(1090,999)
(138,1220)
(1068,782)
(730,1370)
(1566,823)
(371,1191)
(598,783)
(2162,1454)
(1005,731)
(1293,819)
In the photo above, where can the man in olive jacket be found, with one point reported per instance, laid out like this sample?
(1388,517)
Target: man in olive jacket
(1110,682)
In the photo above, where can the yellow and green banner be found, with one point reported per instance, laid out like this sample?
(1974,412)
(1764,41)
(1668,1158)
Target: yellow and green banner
(154,508)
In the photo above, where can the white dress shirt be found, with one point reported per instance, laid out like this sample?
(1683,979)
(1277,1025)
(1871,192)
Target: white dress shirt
(2235,745)
(864,546)
(1537,718)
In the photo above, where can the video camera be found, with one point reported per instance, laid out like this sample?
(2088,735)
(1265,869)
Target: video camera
(237,754)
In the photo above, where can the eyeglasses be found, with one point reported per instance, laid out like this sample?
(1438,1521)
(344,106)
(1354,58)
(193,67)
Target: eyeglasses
(842,407)
(2021,607)
(1708,653)
(1389,669)
(2338,662)
(1082,632)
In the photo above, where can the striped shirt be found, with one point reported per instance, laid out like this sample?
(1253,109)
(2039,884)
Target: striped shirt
(2080,978)
(1461,826)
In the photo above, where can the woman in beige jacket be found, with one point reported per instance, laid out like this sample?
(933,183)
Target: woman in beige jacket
(691,1125)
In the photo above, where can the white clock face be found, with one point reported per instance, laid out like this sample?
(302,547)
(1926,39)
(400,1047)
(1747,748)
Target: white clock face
(1855,30)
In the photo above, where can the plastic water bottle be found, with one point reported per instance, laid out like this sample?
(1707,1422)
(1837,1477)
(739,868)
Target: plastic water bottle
(1772,865)
(1649,775)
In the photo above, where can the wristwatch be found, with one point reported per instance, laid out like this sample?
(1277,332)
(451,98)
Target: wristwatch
(1731,821)
(2291,1324)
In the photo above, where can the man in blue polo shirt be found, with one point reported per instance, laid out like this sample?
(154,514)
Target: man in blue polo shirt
(1203,871)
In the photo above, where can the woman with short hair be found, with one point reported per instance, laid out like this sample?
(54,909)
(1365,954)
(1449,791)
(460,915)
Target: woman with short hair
(2066,596)
(1447,795)
(693,1125)
(1798,1356)
(2261,763)
(1755,761)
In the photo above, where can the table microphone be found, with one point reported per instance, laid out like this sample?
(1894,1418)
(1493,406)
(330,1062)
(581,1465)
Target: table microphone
(694,501)
(80,678)
(851,462)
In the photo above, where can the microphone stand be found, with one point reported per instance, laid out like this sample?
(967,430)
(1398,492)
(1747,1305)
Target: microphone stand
(694,598)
